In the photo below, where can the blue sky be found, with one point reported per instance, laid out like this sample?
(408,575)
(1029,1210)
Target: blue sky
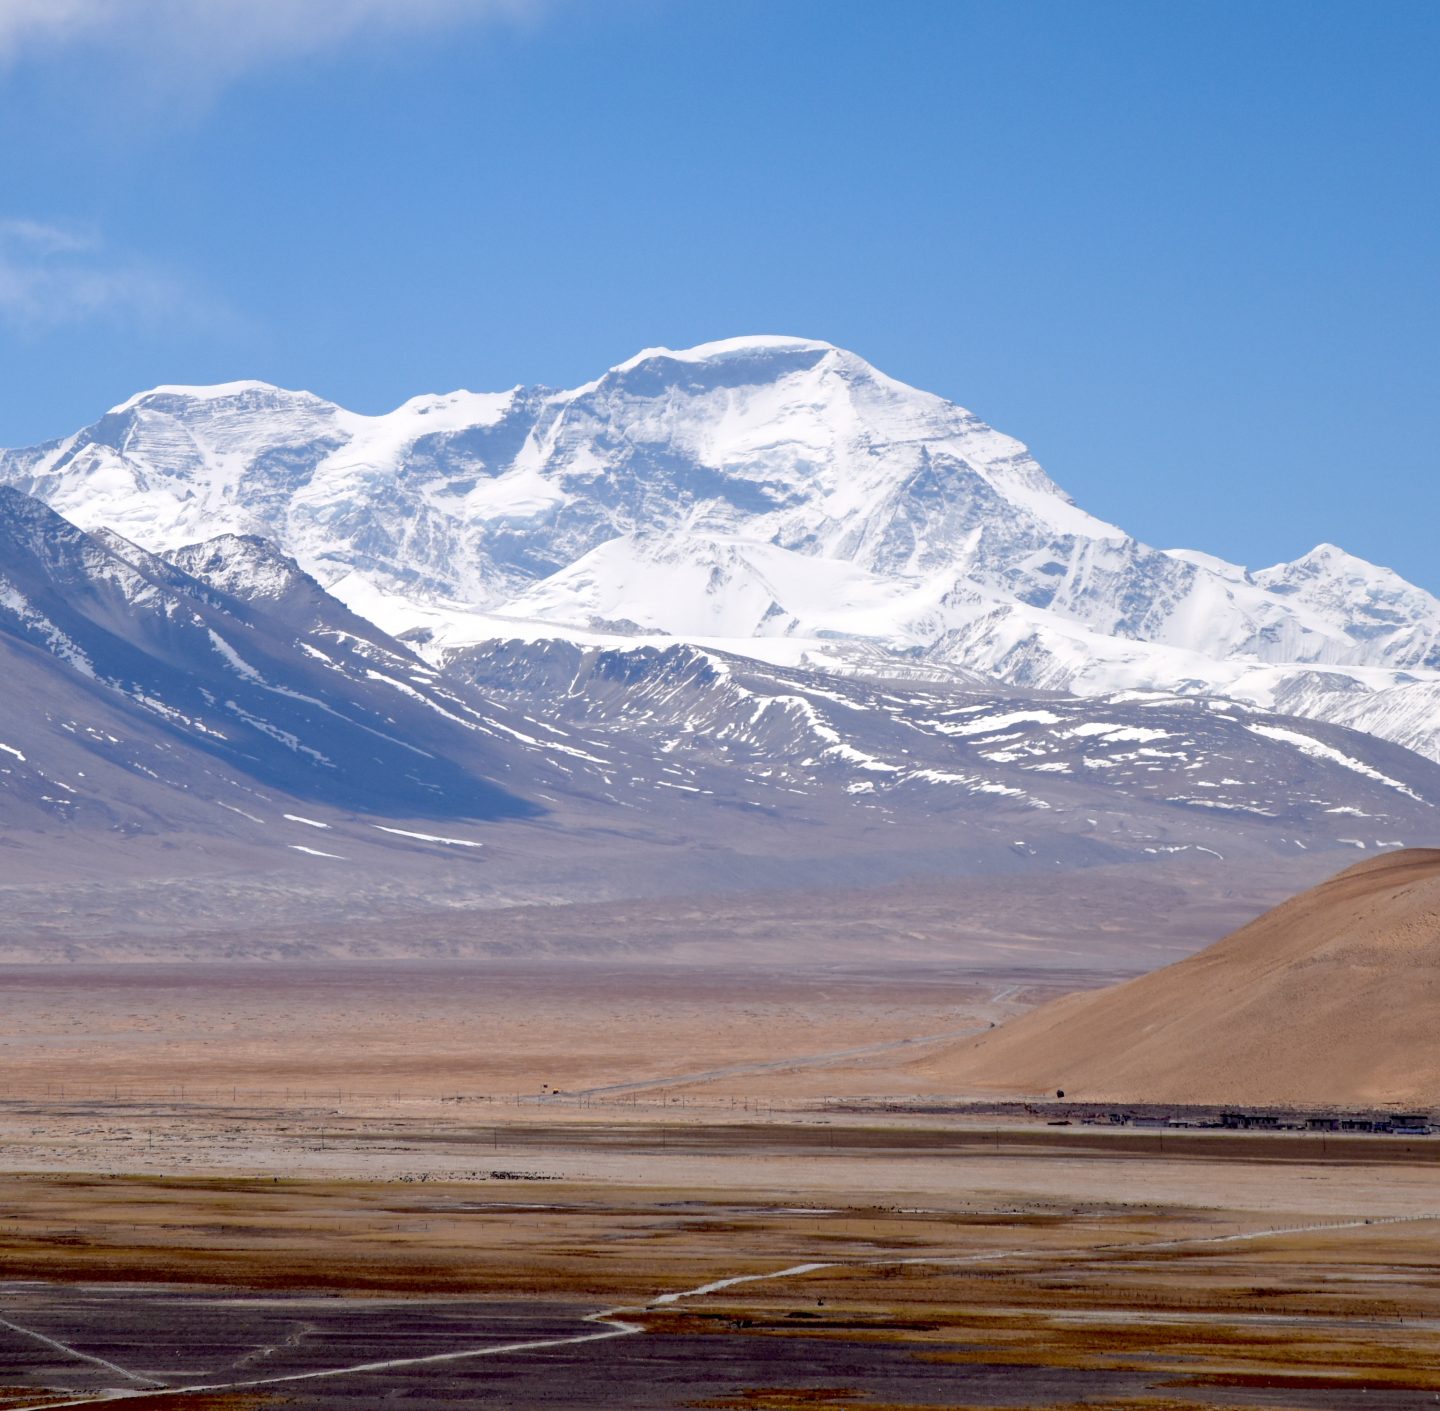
(1188,252)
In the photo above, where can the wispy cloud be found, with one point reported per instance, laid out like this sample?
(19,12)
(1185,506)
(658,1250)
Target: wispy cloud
(217,40)
(53,275)
(44,239)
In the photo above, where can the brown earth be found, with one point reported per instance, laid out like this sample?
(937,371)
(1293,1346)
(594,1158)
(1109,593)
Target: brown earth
(212,1172)
(961,1299)
(253,1172)
(408,1030)
(1330,999)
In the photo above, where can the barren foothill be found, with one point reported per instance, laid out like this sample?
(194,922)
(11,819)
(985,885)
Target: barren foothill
(1328,999)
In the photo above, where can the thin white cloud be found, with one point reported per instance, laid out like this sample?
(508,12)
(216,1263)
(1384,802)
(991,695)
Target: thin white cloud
(44,238)
(221,39)
(53,275)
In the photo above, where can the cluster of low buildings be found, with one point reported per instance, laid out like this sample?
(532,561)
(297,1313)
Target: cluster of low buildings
(1404,1124)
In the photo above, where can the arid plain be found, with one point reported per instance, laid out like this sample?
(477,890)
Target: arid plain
(578,1186)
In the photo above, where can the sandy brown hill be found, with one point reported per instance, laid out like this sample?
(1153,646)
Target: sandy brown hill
(1331,998)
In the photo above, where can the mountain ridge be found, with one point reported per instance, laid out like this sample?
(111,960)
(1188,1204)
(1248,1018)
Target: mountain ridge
(765,490)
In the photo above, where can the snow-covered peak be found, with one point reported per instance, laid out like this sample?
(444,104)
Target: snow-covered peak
(1329,559)
(751,488)
(1328,576)
(727,349)
(214,392)
(1371,604)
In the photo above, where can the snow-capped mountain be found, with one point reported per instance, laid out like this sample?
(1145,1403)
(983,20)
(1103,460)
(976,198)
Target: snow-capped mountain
(209,743)
(778,497)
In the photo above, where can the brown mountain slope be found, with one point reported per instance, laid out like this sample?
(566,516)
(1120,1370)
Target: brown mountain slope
(1332,997)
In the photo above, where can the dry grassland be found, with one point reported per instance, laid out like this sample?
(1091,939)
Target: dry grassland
(1167,1302)
(958,1262)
